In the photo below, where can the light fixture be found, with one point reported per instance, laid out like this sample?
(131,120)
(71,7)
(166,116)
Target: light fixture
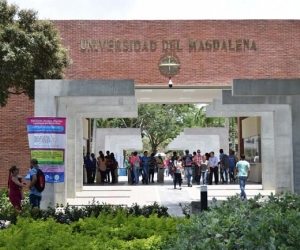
(170,83)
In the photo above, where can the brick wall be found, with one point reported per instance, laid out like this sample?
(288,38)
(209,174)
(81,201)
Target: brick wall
(275,54)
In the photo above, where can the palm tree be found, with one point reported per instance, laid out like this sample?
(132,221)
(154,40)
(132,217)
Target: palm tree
(202,121)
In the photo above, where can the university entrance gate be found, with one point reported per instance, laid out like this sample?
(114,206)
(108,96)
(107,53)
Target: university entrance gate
(116,98)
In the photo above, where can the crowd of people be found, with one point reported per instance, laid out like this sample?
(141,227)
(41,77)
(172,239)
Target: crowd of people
(204,168)
(104,169)
(187,166)
(106,165)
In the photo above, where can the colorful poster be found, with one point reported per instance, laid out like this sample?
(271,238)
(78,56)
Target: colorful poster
(48,157)
(47,141)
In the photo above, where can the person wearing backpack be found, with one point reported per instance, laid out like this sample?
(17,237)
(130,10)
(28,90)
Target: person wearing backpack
(35,193)
(224,164)
(187,161)
(232,164)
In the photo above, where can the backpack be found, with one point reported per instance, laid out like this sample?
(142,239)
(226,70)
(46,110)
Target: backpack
(109,163)
(188,160)
(225,160)
(40,182)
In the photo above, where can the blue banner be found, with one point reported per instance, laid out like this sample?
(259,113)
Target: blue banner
(54,177)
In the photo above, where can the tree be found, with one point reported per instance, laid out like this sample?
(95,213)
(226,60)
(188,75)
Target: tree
(29,49)
(202,121)
(162,123)
(159,123)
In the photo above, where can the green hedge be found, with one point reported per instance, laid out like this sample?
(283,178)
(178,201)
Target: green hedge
(236,224)
(107,231)
(74,213)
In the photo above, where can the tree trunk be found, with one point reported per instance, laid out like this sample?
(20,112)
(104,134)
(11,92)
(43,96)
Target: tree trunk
(154,148)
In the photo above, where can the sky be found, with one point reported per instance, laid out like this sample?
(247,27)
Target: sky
(162,9)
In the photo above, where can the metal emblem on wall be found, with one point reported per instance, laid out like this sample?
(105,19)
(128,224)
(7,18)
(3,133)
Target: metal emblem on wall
(169,65)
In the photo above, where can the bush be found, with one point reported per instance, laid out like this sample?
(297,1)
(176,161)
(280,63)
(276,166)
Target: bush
(107,231)
(236,224)
(70,214)
(7,211)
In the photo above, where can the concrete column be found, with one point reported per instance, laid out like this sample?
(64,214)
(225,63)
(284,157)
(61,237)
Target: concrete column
(282,116)
(277,91)
(267,141)
(74,100)
(284,131)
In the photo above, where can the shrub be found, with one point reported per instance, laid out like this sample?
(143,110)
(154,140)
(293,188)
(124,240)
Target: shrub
(70,214)
(236,224)
(107,231)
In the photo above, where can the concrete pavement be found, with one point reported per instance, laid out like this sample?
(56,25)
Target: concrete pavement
(164,194)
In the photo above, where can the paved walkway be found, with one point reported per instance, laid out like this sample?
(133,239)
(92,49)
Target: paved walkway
(164,194)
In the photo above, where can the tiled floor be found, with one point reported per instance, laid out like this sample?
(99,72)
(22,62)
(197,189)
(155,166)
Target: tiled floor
(165,194)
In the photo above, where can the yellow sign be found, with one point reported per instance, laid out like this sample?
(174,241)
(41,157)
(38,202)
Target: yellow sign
(48,156)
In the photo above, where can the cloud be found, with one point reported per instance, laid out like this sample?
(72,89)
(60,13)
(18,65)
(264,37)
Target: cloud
(79,9)
(163,9)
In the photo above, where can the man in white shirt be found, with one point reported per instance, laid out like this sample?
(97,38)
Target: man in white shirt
(213,168)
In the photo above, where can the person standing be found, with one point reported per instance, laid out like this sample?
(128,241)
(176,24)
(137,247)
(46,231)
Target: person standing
(243,170)
(35,196)
(177,172)
(113,167)
(152,166)
(232,164)
(224,165)
(160,169)
(89,167)
(203,169)
(166,166)
(102,167)
(213,168)
(94,167)
(187,161)
(131,169)
(145,159)
(136,161)
(15,187)
(197,161)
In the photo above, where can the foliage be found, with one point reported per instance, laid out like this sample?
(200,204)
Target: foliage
(114,231)
(7,211)
(202,121)
(29,49)
(236,224)
(159,123)
(68,214)
(186,210)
